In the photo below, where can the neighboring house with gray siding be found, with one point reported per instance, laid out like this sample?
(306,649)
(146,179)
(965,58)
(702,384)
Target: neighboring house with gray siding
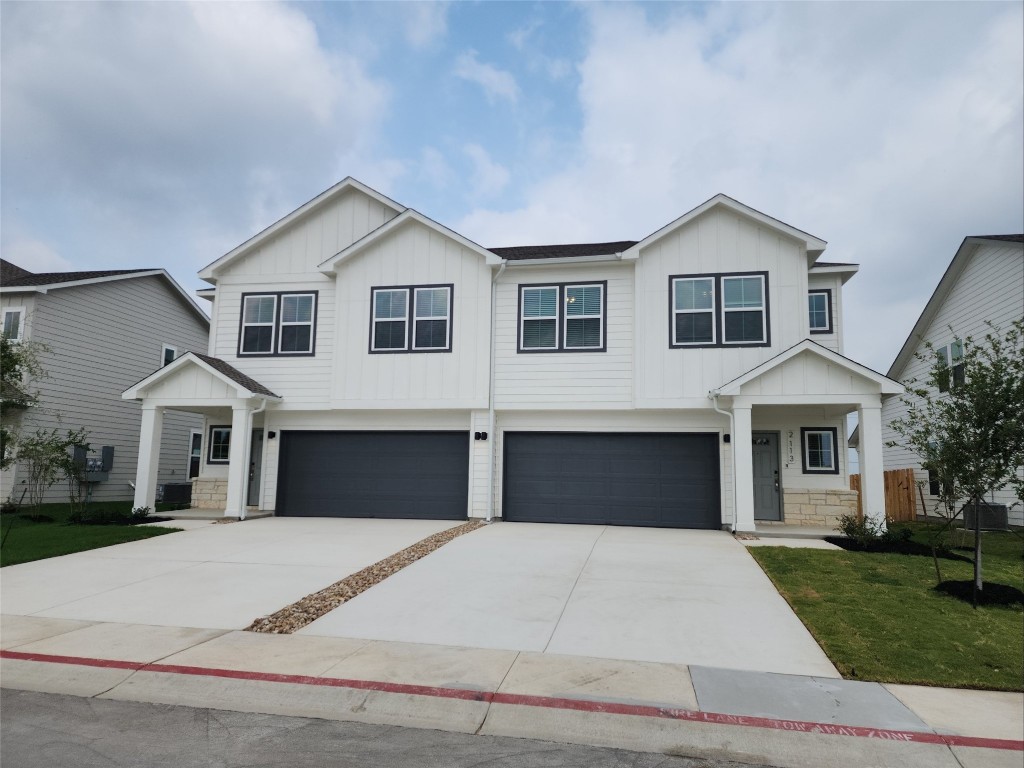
(367,361)
(983,284)
(105,330)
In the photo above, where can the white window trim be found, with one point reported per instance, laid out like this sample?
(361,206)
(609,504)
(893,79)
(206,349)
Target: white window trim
(272,324)
(761,309)
(209,448)
(523,318)
(20,311)
(447,317)
(163,354)
(279,314)
(566,318)
(713,310)
(807,451)
(827,294)
(405,336)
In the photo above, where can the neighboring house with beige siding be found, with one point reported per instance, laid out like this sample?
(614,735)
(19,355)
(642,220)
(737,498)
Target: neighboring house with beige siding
(983,284)
(366,361)
(104,331)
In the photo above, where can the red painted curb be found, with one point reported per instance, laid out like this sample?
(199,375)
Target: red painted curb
(546,702)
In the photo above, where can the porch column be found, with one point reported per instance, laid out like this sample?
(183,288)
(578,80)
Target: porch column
(872,483)
(743,469)
(150,434)
(238,471)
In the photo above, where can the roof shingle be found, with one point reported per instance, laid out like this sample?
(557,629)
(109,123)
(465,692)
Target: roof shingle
(13,276)
(517,252)
(235,375)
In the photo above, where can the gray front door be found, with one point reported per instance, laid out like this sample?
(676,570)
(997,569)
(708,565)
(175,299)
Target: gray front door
(255,468)
(767,502)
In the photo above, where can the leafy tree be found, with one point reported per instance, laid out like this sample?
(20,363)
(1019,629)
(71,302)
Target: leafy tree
(47,456)
(20,369)
(971,436)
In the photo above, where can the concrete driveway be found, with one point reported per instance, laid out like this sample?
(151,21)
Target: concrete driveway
(214,576)
(662,595)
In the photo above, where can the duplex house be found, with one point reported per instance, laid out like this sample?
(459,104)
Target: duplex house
(365,360)
(103,330)
(983,284)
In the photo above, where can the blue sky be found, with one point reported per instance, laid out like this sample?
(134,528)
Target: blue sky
(163,134)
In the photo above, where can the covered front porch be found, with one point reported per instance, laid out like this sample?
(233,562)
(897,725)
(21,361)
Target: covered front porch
(788,430)
(233,405)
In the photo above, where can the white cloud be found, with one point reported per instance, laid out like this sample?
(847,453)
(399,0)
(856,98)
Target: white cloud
(171,124)
(425,23)
(497,83)
(489,178)
(36,256)
(890,130)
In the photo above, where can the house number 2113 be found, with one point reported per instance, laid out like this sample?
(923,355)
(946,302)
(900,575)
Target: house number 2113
(789,447)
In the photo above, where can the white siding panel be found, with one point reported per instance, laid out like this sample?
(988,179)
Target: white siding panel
(990,288)
(104,338)
(831,340)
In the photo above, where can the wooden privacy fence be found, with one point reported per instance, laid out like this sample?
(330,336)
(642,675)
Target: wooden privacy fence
(900,501)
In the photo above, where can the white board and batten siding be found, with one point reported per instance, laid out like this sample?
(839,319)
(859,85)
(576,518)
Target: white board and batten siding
(833,283)
(990,288)
(413,255)
(718,242)
(104,338)
(565,380)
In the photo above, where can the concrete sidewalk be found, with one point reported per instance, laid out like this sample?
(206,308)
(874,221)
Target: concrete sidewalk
(784,720)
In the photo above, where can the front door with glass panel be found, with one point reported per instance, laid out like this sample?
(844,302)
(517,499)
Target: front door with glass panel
(767,489)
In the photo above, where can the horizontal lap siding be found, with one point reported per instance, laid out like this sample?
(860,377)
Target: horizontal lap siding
(991,287)
(566,379)
(104,338)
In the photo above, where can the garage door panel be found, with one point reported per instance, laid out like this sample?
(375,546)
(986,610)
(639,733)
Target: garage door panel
(656,479)
(423,475)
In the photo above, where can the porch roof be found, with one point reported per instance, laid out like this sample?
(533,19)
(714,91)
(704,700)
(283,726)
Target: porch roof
(198,376)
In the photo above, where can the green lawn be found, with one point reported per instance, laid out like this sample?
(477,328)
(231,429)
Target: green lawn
(25,539)
(878,616)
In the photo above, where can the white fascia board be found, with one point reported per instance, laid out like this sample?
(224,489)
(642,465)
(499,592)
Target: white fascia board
(330,266)
(815,246)
(565,260)
(207,293)
(133,392)
(209,272)
(846,271)
(886,385)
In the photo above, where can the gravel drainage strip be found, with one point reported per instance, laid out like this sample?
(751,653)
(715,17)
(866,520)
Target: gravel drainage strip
(310,608)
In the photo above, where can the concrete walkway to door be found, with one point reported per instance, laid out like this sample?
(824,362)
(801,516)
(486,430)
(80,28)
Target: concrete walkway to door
(644,594)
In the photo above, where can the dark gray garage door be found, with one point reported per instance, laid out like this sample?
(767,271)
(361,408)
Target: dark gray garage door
(374,474)
(666,480)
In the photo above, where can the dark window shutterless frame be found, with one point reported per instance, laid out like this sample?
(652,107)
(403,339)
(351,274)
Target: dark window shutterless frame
(720,341)
(220,444)
(561,316)
(807,435)
(412,344)
(278,323)
(826,294)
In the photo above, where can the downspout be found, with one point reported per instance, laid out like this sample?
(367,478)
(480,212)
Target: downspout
(248,456)
(490,400)
(713,396)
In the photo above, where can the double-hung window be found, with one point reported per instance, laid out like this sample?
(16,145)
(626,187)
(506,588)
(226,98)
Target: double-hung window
(567,317)
(819,450)
(951,366)
(693,311)
(718,310)
(13,324)
(744,320)
(819,311)
(220,445)
(426,328)
(278,324)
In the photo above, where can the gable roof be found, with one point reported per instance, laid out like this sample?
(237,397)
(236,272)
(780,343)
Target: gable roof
(956,267)
(244,385)
(886,385)
(331,264)
(815,246)
(15,279)
(209,272)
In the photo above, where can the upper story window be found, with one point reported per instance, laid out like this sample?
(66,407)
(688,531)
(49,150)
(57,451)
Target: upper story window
(13,324)
(951,365)
(428,328)
(563,317)
(167,354)
(819,310)
(819,450)
(719,310)
(278,324)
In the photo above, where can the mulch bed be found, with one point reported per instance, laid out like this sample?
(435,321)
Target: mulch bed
(310,608)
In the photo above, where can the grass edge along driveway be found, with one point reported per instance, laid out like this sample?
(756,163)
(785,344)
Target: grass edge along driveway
(878,617)
(26,540)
